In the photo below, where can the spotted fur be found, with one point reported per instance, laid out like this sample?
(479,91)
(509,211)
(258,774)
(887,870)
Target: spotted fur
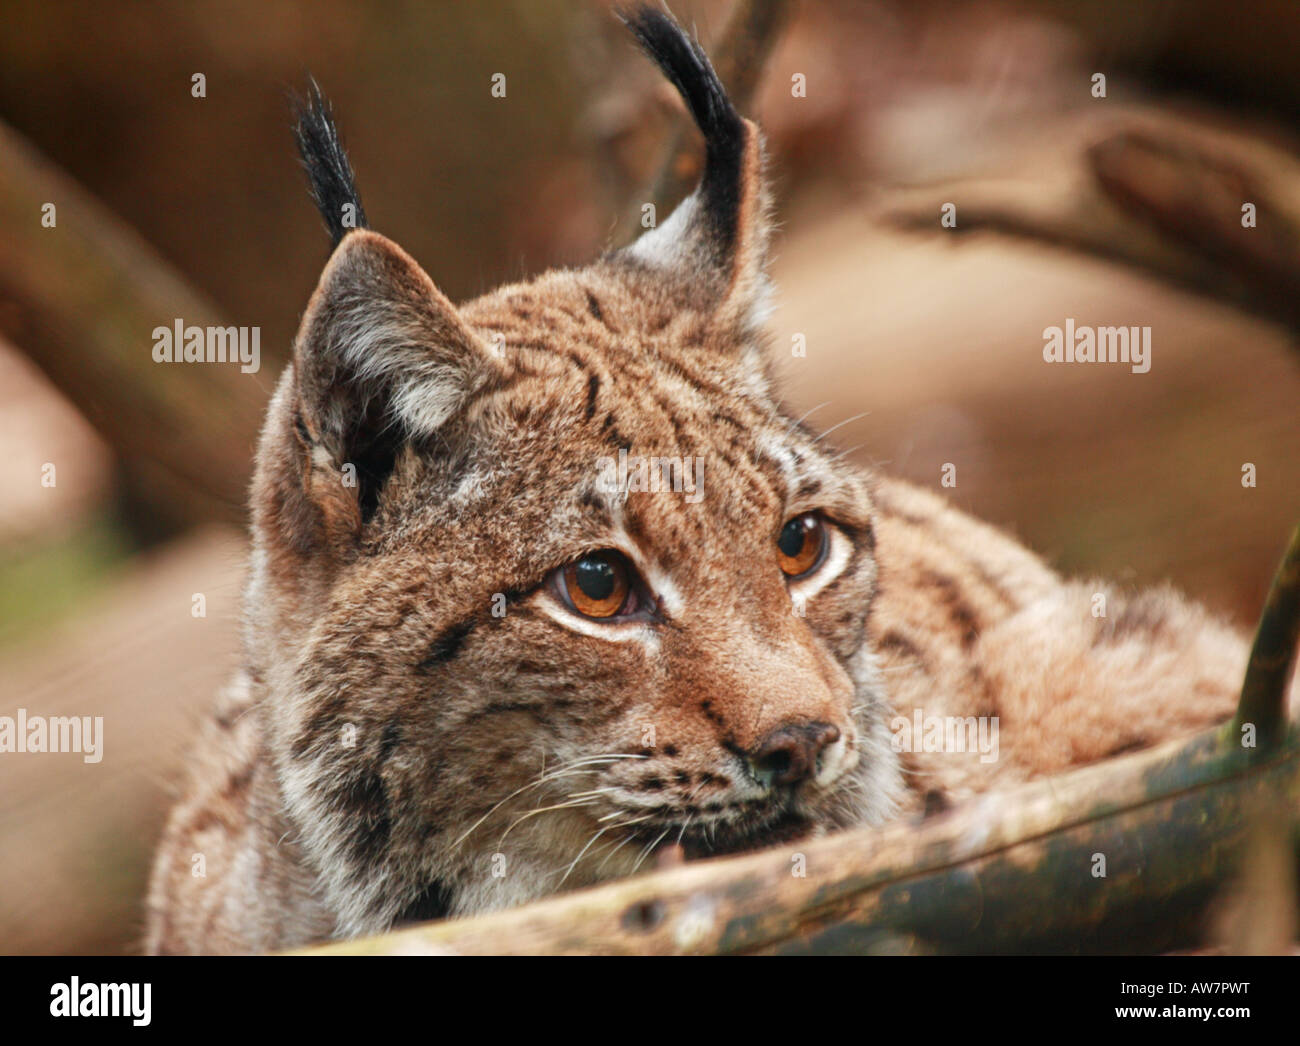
(422,727)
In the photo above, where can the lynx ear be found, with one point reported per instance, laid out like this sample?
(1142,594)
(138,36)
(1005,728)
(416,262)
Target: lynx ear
(716,240)
(381,358)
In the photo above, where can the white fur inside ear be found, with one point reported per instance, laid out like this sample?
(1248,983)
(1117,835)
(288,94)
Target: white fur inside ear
(677,247)
(426,401)
(670,245)
(426,390)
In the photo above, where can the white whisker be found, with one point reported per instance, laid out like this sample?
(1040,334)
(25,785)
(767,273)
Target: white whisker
(541,810)
(572,767)
(840,425)
(650,849)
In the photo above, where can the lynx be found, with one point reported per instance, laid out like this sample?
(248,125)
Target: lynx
(476,671)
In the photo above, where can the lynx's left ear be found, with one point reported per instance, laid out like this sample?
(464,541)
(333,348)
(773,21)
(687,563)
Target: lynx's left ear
(715,242)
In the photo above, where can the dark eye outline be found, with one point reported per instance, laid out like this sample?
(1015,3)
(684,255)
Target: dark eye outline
(639,604)
(823,532)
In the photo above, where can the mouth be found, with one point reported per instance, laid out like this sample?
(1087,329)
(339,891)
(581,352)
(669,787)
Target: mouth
(671,841)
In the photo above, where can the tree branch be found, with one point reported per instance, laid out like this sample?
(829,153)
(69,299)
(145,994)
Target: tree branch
(1151,191)
(81,299)
(1273,656)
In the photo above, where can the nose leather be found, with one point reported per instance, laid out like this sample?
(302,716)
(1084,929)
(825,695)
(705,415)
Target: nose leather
(788,755)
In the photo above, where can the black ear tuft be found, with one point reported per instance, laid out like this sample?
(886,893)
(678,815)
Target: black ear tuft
(326,164)
(683,61)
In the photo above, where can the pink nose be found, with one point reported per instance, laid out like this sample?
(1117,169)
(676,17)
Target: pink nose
(789,754)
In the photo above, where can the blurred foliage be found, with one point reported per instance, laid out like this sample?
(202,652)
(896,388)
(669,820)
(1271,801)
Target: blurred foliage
(43,582)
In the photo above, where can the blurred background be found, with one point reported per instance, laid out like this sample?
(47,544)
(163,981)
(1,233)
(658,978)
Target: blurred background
(1115,209)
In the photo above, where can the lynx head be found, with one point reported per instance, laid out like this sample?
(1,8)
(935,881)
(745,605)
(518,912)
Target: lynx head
(548,579)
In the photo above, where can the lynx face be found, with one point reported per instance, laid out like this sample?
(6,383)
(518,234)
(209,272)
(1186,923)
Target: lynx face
(493,666)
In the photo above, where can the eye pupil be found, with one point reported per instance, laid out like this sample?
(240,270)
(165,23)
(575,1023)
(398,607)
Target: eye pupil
(793,536)
(595,577)
(801,545)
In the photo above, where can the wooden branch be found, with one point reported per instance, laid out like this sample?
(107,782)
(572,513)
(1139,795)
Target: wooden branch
(1273,656)
(82,299)
(752,30)
(1153,191)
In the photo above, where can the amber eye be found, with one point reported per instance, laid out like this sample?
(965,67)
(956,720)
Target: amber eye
(800,547)
(598,584)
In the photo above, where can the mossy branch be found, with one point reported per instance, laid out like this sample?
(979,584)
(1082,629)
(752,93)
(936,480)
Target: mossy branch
(1273,656)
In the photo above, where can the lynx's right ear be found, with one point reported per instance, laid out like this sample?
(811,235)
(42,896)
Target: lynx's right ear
(382,359)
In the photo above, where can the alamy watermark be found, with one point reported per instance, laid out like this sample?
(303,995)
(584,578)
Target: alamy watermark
(933,733)
(71,998)
(636,474)
(1074,344)
(181,344)
(37,733)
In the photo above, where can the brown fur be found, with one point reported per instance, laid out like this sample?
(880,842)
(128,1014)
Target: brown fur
(397,748)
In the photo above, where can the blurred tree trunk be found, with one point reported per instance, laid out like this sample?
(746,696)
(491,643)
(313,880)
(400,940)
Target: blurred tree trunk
(82,298)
